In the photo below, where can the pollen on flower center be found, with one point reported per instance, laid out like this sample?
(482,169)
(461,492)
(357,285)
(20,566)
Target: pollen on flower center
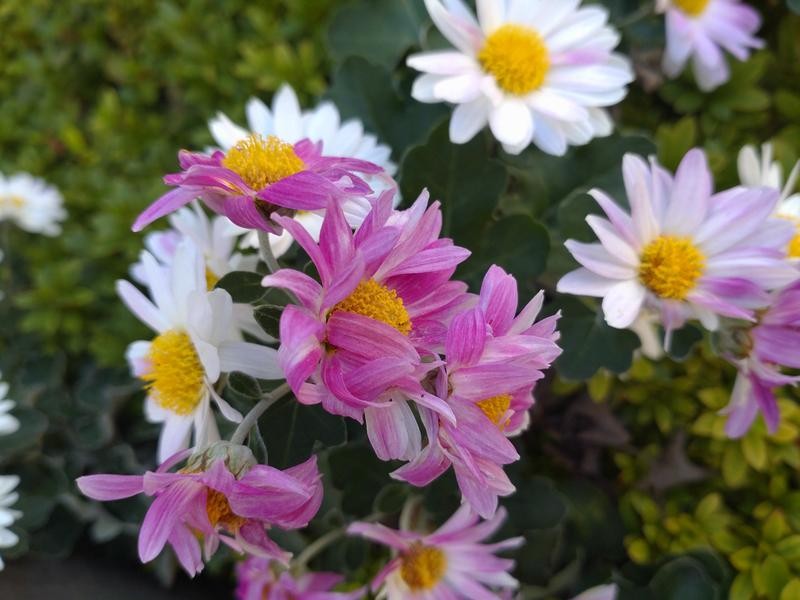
(794,245)
(12,201)
(176,374)
(260,161)
(376,301)
(670,267)
(517,57)
(211,279)
(495,408)
(422,567)
(694,8)
(219,511)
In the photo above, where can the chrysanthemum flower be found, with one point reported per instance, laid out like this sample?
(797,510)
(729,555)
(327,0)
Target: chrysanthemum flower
(492,362)
(31,203)
(759,354)
(216,240)
(384,296)
(534,71)
(451,562)
(8,515)
(289,122)
(263,579)
(220,495)
(197,341)
(701,31)
(258,177)
(8,422)
(683,250)
(761,171)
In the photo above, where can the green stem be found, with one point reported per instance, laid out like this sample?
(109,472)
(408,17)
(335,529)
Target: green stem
(259,409)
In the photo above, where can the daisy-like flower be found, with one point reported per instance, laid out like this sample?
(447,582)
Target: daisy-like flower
(220,495)
(197,340)
(761,171)
(535,71)
(8,422)
(8,539)
(701,31)
(451,562)
(385,295)
(759,354)
(261,176)
(289,122)
(31,203)
(683,251)
(264,579)
(492,362)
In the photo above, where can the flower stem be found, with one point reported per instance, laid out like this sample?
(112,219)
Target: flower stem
(259,409)
(326,540)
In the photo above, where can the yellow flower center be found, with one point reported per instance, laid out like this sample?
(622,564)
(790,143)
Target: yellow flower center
(211,279)
(421,567)
(670,267)
(261,162)
(12,201)
(176,375)
(496,408)
(517,57)
(794,246)
(219,511)
(376,301)
(694,8)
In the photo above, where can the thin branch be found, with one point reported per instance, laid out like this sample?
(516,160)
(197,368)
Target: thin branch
(259,409)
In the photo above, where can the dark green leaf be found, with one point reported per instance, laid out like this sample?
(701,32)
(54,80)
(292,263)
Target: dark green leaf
(378,30)
(243,286)
(359,475)
(268,317)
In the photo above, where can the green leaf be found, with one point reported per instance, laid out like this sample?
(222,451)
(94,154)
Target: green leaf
(742,588)
(771,577)
(590,344)
(683,579)
(789,548)
(683,342)
(539,492)
(734,467)
(292,431)
(792,589)
(268,317)
(755,450)
(465,178)
(367,92)
(794,5)
(359,475)
(32,425)
(518,244)
(675,140)
(243,286)
(378,30)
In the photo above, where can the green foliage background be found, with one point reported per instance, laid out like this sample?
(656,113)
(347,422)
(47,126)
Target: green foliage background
(625,473)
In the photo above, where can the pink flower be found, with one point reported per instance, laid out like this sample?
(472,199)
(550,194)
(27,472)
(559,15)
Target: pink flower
(683,251)
(258,177)
(774,342)
(262,579)
(493,360)
(220,495)
(701,30)
(355,341)
(449,563)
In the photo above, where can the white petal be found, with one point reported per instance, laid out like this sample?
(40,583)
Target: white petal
(491,14)
(287,116)
(511,122)
(140,306)
(623,303)
(251,359)
(225,132)
(468,119)
(174,436)
(259,117)
(583,282)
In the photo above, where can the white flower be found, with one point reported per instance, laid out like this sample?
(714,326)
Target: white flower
(31,203)
(197,341)
(762,171)
(537,71)
(701,30)
(682,251)
(291,124)
(8,497)
(216,239)
(8,422)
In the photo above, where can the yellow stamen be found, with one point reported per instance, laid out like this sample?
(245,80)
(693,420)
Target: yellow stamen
(517,57)
(261,162)
(376,301)
(12,201)
(670,267)
(694,8)
(219,511)
(794,246)
(211,279)
(495,408)
(422,567)
(176,375)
